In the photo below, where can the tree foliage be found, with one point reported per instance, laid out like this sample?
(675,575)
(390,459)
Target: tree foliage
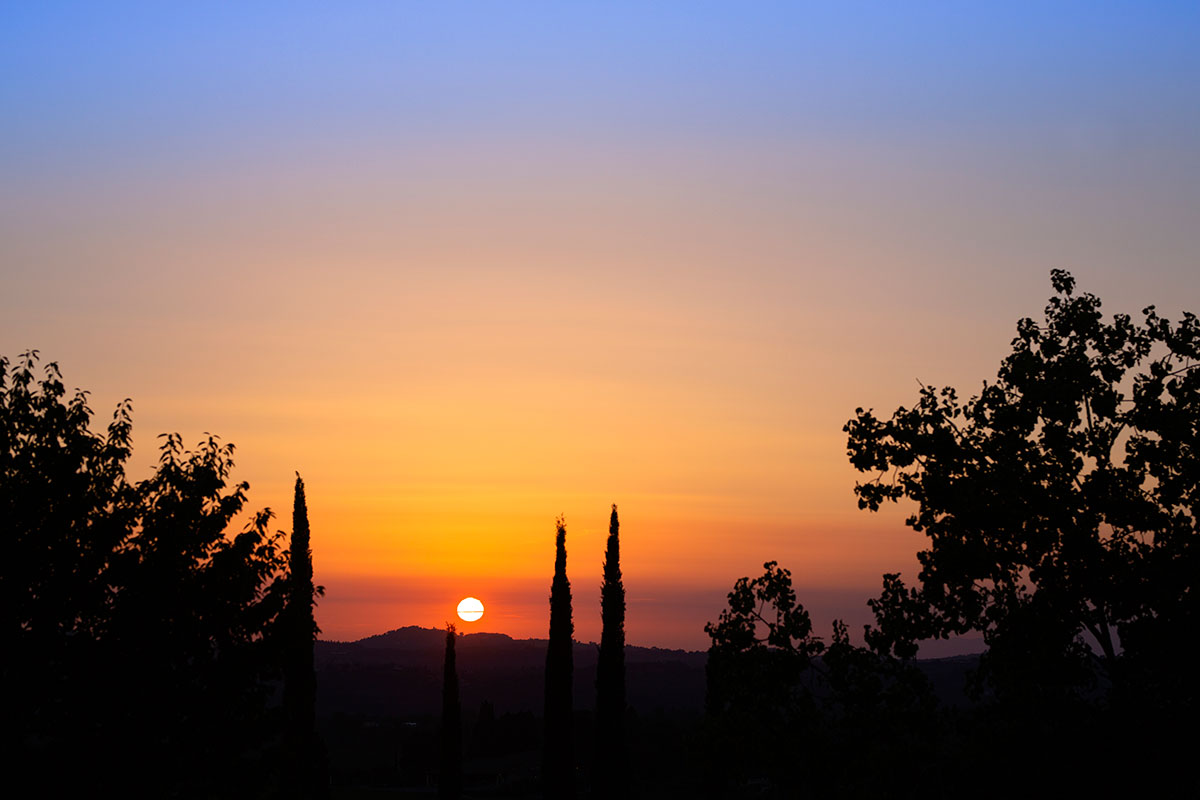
(1060,503)
(762,647)
(140,633)
(785,706)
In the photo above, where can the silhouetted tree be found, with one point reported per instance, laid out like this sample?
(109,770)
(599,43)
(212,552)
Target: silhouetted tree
(306,776)
(138,632)
(1060,505)
(66,508)
(784,706)
(760,712)
(450,776)
(558,754)
(610,775)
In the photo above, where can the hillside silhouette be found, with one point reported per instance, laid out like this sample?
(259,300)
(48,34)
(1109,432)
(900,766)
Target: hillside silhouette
(365,676)
(398,673)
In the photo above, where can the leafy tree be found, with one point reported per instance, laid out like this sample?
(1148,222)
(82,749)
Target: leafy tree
(766,662)
(65,503)
(762,645)
(783,705)
(306,775)
(189,637)
(761,713)
(1060,505)
(558,754)
(136,630)
(450,780)
(610,772)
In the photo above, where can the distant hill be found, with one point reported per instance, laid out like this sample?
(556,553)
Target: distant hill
(399,673)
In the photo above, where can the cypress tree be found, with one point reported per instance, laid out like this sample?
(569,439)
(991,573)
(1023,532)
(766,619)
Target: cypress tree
(305,775)
(558,757)
(450,781)
(609,774)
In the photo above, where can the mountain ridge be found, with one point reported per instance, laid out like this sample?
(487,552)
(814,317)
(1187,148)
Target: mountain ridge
(415,637)
(399,672)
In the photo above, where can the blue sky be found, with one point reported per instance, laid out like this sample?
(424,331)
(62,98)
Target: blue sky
(122,81)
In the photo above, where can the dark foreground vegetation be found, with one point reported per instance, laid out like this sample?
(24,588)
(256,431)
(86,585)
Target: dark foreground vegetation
(379,701)
(150,652)
(377,695)
(145,648)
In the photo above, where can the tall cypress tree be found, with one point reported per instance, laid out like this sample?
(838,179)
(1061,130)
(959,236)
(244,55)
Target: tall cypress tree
(558,756)
(305,775)
(450,781)
(610,777)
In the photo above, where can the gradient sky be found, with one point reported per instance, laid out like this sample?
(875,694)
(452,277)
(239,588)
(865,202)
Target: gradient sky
(469,266)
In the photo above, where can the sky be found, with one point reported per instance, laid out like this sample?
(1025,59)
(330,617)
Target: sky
(469,267)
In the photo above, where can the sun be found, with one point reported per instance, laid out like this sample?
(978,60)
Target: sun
(470,609)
